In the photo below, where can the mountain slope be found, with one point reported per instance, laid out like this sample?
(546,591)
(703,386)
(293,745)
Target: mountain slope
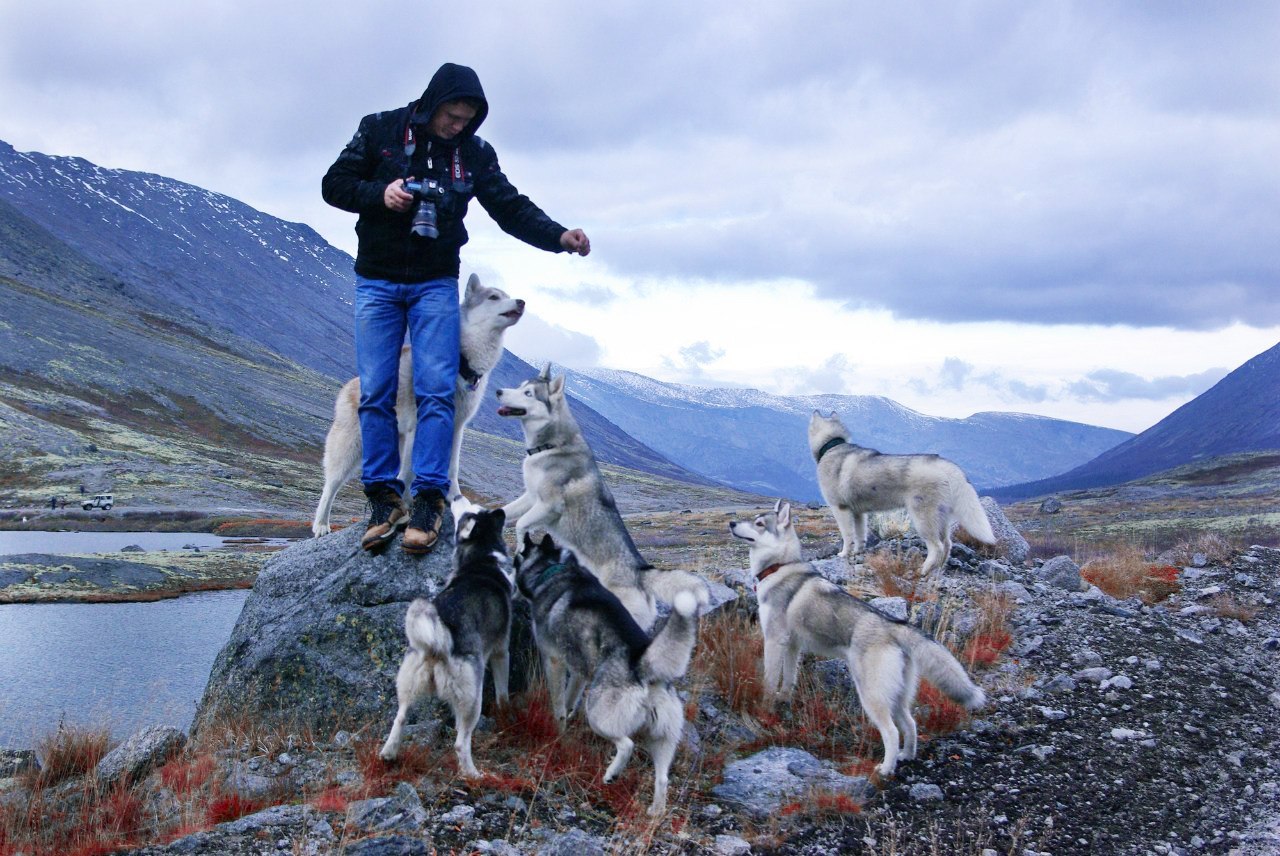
(757,441)
(174,330)
(1240,413)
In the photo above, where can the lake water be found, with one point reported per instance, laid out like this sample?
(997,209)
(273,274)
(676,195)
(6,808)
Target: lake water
(63,543)
(117,665)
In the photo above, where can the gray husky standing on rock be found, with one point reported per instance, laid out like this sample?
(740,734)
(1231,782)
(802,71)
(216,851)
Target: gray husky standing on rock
(586,637)
(565,495)
(453,635)
(486,313)
(802,611)
(855,481)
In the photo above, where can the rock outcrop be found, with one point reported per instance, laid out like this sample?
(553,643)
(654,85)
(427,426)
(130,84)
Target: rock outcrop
(322,634)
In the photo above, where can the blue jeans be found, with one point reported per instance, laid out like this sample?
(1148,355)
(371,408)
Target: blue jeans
(429,311)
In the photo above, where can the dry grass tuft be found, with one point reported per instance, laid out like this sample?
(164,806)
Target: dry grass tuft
(1126,573)
(1226,606)
(1211,545)
(899,575)
(69,752)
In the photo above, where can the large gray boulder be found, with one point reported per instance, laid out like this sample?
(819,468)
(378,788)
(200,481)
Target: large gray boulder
(321,635)
(141,753)
(1009,541)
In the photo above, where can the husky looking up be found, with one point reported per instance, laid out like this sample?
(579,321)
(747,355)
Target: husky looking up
(583,629)
(855,481)
(486,313)
(802,611)
(565,494)
(452,636)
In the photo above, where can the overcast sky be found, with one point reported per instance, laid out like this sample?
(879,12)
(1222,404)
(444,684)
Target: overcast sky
(1061,208)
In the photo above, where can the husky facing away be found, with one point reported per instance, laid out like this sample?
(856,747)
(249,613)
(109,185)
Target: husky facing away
(565,494)
(802,611)
(485,315)
(465,626)
(583,629)
(855,481)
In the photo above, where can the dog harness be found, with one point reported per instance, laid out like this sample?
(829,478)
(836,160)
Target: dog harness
(828,446)
(549,571)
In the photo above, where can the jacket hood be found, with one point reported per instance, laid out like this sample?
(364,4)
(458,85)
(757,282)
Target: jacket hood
(452,82)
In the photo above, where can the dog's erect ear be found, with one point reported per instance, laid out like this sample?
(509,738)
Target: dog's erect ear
(545,374)
(528,543)
(777,506)
(556,387)
(500,516)
(473,284)
(784,514)
(465,525)
(547,543)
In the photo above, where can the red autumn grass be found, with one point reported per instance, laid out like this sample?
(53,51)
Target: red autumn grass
(413,762)
(330,799)
(68,752)
(983,649)
(185,776)
(897,576)
(822,803)
(225,807)
(939,715)
(729,656)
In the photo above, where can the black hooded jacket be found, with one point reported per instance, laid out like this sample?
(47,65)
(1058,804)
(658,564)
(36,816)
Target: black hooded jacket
(376,156)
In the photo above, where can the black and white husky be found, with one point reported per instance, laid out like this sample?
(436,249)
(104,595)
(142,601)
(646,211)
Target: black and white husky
(587,637)
(802,611)
(485,315)
(453,635)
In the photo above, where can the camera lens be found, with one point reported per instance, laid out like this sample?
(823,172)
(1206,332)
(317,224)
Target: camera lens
(424,221)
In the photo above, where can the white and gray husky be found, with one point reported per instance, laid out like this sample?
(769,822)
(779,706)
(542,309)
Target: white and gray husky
(586,637)
(802,611)
(486,313)
(453,635)
(855,480)
(565,495)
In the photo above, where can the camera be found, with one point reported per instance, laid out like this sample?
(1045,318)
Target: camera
(427,191)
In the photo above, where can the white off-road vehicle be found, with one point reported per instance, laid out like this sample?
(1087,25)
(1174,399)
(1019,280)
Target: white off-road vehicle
(101,500)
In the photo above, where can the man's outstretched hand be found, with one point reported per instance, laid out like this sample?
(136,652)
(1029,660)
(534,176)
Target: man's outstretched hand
(576,241)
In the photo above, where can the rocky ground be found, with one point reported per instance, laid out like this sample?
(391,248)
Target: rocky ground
(1114,727)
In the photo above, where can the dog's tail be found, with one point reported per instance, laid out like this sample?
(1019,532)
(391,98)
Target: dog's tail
(971,515)
(426,632)
(667,585)
(939,668)
(668,654)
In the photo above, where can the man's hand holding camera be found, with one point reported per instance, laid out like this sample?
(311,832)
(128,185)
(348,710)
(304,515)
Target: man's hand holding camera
(397,198)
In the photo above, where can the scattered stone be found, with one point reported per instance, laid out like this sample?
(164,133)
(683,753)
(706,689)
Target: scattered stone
(731,845)
(575,842)
(894,607)
(1120,682)
(1094,675)
(1052,714)
(16,761)
(138,755)
(1009,541)
(925,792)
(1052,505)
(1061,572)
(760,783)
(1122,734)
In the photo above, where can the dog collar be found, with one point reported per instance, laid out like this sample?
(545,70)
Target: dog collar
(470,375)
(828,446)
(536,449)
(549,571)
(760,577)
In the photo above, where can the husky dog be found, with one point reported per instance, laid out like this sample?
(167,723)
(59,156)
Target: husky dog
(465,626)
(855,481)
(565,495)
(802,611)
(583,629)
(486,313)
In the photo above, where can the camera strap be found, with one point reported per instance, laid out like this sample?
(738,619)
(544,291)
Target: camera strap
(411,146)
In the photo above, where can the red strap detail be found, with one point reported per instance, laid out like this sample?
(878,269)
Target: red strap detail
(760,577)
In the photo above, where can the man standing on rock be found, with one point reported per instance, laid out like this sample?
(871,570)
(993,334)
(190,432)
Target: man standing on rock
(409,174)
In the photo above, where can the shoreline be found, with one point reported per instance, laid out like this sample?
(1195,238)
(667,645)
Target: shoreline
(141,578)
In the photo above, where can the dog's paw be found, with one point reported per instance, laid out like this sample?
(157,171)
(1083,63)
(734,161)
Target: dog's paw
(609,778)
(473,773)
(886,770)
(389,753)
(656,810)
(319,531)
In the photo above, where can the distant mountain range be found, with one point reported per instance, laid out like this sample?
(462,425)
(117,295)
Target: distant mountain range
(1240,413)
(758,441)
(142,312)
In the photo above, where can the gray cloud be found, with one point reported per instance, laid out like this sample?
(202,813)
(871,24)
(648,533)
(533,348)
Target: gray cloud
(692,358)
(591,295)
(1112,385)
(1045,163)
(537,341)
